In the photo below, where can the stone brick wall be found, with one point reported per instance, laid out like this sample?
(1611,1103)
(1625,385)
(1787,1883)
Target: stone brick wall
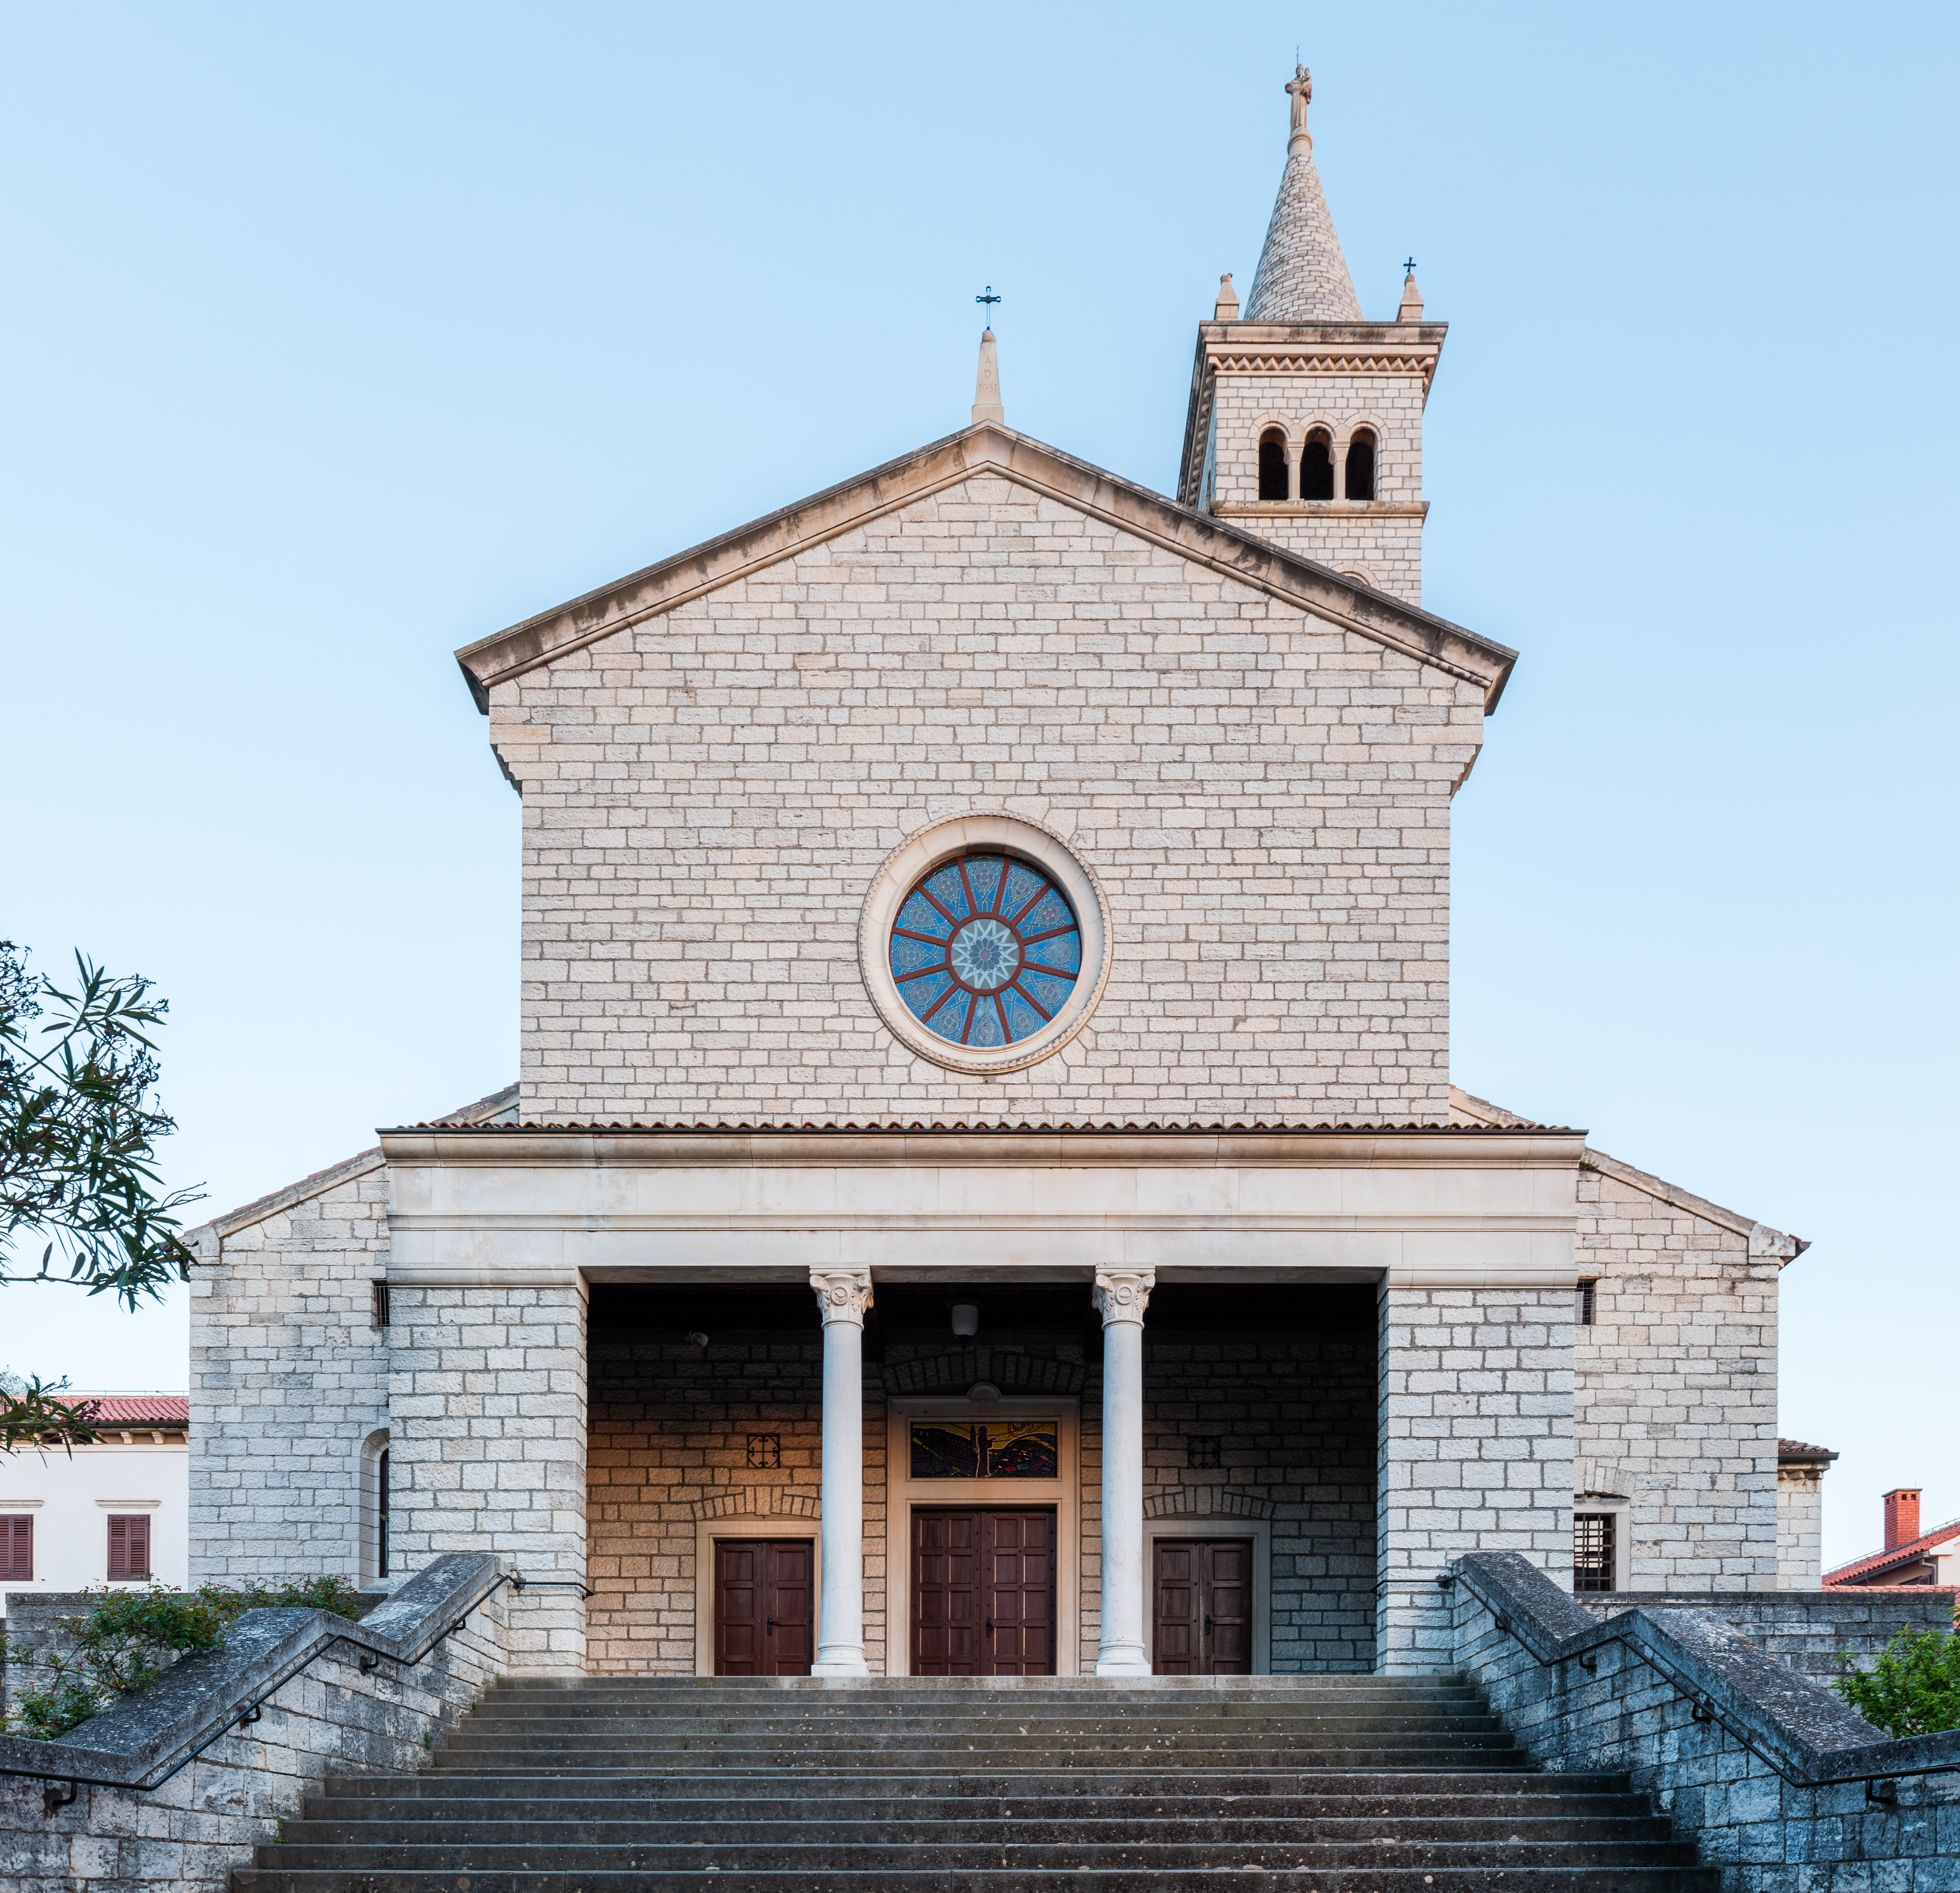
(707,797)
(288,1378)
(1799,1514)
(1806,1630)
(1675,1408)
(1294,1419)
(486,1391)
(1475,1449)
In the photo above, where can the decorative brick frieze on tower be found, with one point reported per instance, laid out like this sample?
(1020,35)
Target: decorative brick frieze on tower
(1305,421)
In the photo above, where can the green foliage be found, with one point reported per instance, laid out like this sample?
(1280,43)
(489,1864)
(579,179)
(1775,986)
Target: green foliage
(127,1640)
(79,1124)
(1914,1690)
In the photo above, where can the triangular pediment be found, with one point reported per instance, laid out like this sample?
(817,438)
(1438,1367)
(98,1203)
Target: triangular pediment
(1318,590)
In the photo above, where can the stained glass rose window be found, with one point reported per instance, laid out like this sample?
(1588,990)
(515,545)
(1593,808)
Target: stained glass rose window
(985,950)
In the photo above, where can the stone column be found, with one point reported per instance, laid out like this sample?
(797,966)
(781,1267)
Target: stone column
(1338,454)
(1294,450)
(1474,1453)
(843,1294)
(1121,1297)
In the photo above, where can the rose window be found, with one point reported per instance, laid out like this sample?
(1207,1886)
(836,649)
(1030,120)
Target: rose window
(985,951)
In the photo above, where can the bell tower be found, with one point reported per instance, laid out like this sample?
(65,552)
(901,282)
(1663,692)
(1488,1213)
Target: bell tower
(1305,422)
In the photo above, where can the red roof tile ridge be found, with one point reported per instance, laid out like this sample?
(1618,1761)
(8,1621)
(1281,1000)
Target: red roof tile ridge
(1803,1449)
(1899,1554)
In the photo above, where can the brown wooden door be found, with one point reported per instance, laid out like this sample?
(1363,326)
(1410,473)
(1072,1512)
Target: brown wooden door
(983,1593)
(1203,1591)
(764,1606)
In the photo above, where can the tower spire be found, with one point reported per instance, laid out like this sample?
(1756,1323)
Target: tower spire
(1302,276)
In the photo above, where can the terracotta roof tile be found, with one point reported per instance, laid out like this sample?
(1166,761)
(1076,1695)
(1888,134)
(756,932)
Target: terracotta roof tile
(1803,1449)
(135,1409)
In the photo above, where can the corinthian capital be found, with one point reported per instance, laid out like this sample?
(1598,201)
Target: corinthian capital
(842,1294)
(1122,1294)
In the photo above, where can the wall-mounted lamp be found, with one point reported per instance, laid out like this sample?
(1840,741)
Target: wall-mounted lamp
(697,1339)
(965,1319)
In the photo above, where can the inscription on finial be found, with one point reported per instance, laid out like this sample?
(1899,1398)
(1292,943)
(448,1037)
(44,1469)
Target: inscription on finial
(1301,85)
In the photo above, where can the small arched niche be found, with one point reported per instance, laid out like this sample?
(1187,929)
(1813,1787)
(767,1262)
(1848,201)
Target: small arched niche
(1317,467)
(1272,465)
(1361,464)
(375,1561)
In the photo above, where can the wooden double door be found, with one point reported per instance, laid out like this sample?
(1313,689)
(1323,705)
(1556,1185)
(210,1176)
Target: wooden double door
(765,1606)
(1202,1597)
(983,1591)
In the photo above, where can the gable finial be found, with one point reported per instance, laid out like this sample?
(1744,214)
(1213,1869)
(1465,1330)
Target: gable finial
(987,383)
(1301,87)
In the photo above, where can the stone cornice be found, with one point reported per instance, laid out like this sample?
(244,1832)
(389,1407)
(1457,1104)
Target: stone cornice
(1316,590)
(544,1146)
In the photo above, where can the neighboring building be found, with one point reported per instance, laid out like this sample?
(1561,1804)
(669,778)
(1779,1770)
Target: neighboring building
(1910,1556)
(116,1513)
(1800,1470)
(1014,905)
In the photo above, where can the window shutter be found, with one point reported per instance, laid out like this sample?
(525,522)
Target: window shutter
(130,1546)
(139,1546)
(17,1547)
(119,1547)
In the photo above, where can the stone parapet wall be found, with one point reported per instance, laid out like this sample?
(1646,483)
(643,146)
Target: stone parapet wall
(1807,1631)
(1765,1772)
(186,1834)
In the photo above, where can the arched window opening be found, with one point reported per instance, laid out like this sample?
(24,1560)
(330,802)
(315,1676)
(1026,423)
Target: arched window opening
(376,1562)
(1316,469)
(1361,464)
(1272,465)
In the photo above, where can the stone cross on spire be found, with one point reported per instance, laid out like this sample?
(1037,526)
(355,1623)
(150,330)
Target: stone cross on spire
(1301,85)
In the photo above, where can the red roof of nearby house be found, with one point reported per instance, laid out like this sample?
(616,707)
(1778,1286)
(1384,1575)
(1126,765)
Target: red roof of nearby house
(134,1409)
(1877,1563)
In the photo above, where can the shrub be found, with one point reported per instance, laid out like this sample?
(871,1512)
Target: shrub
(127,1641)
(1914,1687)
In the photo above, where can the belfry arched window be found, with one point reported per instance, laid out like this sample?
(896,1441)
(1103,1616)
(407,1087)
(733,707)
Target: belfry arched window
(1316,468)
(1361,464)
(1272,465)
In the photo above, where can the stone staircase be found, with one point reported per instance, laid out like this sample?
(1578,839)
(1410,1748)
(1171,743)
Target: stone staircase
(629,1785)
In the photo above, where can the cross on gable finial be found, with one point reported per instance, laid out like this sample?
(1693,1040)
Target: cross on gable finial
(1410,266)
(989,299)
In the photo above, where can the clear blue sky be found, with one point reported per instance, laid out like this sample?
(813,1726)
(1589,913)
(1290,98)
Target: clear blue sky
(338,337)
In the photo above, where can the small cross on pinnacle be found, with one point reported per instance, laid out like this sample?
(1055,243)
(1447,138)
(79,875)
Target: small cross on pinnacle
(1410,266)
(989,299)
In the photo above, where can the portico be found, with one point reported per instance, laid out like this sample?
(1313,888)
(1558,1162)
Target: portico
(1430,1223)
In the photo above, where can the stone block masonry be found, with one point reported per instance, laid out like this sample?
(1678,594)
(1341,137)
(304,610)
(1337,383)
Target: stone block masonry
(487,1400)
(1675,1407)
(289,1377)
(1264,798)
(1474,1450)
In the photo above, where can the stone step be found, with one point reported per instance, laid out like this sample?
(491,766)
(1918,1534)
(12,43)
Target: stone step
(1466,1877)
(938,1858)
(787,1825)
(1119,1787)
(1501,1797)
(993,1728)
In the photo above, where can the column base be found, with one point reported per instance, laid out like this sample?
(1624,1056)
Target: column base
(845,1659)
(1123,1660)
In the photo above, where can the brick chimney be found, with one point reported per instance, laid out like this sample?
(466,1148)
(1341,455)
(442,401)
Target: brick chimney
(1901,1516)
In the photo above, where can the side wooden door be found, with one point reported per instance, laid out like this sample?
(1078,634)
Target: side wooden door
(765,1599)
(1202,1592)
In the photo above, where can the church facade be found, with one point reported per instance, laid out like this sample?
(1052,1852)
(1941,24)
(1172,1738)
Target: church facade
(984,1192)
